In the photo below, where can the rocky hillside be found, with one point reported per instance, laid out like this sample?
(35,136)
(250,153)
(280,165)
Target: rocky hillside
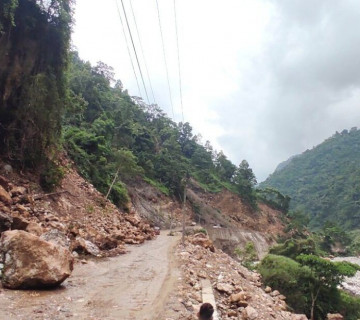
(238,292)
(324,182)
(232,224)
(94,225)
(76,210)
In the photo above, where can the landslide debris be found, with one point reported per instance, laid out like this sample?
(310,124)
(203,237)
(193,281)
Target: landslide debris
(239,293)
(79,216)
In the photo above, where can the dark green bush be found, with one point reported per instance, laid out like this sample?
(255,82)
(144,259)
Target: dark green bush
(289,277)
(119,196)
(51,176)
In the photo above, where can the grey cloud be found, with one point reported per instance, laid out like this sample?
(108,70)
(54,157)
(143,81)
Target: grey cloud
(307,72)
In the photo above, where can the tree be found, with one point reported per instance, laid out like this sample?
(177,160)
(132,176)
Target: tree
(245,181)
(309,283)
(325,276)
(224,167)
(34,42)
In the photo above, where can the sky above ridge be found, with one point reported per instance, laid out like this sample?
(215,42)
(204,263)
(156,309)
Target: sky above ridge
(261,79)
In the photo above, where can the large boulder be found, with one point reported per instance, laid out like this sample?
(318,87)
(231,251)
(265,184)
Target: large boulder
(32,263)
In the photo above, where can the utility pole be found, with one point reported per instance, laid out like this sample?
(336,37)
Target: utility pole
(183,211)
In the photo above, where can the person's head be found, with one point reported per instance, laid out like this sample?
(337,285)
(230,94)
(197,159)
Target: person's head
(206,311)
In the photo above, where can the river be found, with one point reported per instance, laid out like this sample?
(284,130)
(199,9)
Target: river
(351,284)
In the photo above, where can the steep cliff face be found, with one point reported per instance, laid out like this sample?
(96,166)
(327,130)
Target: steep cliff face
(232,224)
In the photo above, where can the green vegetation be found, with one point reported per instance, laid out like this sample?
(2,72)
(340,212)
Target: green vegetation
(274,199)
(34,42)
(110,134)
(48,93)
(247,255)
(294,247)
(310,284)
(324,182)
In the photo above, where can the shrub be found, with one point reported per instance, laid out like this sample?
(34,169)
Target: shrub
(287,276)
(51,176)
(247,255)
(119,196)
(294,247)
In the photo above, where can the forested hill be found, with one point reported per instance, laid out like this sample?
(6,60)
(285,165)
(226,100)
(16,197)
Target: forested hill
(107,131)
(324,182)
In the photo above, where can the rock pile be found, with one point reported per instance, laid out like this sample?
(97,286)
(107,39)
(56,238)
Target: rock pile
(238,291)
(83,221)
(77,214)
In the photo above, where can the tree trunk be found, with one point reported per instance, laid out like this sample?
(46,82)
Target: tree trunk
(112,183)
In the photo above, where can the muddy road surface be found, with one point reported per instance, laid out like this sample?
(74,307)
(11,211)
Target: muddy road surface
(131,286)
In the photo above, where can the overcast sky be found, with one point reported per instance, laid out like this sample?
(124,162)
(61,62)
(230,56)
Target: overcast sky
(262,79)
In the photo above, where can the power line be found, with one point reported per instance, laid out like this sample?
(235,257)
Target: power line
(166,67)
(137,59)
(127,46)
(179,66)
(142,51)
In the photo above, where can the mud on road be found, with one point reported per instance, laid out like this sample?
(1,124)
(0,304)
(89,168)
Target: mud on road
(132,286)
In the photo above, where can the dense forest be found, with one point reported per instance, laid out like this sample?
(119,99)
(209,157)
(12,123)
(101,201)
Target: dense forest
(111,134)
(324,182)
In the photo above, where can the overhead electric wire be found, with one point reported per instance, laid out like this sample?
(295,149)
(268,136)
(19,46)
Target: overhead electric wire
(179,66)
(142,51)
(127,46)
(166,67)
(137,59)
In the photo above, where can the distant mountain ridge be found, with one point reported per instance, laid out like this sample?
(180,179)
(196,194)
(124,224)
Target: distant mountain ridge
(285,163)
(324,182)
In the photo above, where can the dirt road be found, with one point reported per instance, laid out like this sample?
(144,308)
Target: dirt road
(132,286)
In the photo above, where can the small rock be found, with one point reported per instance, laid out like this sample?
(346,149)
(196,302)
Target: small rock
(5,196)
(7,169)
(86,246)
(236,297)
(268,289)
(19,223)
(334,316)
(242,303)
(17,191)
(275,293)
(232,313)
(249,313)
(5,222)
(298,317)
(224,287)
(34,228)
(4,182)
